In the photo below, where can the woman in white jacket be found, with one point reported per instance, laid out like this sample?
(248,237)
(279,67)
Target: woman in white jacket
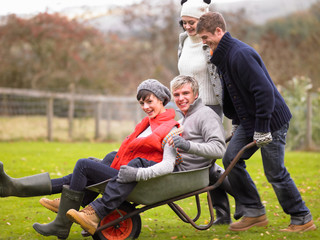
(194,56)
(194,60)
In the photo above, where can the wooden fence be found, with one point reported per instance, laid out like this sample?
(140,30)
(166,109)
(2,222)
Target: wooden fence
(98,101)
(105,108)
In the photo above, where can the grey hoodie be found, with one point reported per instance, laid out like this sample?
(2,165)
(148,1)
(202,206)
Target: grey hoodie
(204,129)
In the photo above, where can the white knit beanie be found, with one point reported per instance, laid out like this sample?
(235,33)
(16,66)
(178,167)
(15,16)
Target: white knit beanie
(194,8)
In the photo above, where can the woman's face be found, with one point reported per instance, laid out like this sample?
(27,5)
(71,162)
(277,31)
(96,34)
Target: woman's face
(190,24)
(152,106)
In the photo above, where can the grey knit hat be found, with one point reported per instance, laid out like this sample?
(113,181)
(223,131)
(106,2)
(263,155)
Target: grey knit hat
(157,88)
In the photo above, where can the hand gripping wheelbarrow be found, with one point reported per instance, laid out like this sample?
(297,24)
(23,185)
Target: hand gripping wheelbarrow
(125,222)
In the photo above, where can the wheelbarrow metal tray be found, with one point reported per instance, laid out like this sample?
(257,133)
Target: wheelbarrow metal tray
(169,186)
(164,187)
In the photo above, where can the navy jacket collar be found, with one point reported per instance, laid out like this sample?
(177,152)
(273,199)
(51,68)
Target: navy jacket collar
(222,49)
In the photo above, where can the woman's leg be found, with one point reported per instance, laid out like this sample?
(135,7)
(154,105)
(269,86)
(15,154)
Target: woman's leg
(89,196)
(61,225)
(84,171)
(57,183)
(30,186)
(88,171)
(115,194)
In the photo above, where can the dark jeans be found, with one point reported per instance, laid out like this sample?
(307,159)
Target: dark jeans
(275,171)
(87,172)
(116,193)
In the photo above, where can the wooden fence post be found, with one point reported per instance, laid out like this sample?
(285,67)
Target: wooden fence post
(71,111)
(49,118)
(5,105)
(309,121)
(108,110)
(97,120)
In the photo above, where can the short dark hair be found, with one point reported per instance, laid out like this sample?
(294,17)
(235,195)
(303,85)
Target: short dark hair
(181,24)
(144,94)
(210,21)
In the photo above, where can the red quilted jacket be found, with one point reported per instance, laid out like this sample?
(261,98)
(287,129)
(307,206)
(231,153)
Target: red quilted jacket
(148,147)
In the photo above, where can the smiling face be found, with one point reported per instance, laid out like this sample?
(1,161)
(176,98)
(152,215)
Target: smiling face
(184,97)
(152,106)
(211,39)
(190,24)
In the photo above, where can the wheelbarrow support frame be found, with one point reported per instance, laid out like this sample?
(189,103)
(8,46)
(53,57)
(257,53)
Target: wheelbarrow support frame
(177,209)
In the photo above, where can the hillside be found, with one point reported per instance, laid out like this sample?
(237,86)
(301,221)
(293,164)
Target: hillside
(258,11)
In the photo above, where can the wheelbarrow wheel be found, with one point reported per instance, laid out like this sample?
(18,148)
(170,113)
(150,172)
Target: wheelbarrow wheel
(127,229)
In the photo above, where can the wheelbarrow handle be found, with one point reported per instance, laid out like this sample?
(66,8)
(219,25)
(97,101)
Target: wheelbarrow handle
(233,163)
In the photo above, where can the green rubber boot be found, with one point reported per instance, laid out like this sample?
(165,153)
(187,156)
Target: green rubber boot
(35,185)
(60,227)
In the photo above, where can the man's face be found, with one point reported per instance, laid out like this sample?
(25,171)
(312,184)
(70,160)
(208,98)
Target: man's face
(184,97)
(212,40)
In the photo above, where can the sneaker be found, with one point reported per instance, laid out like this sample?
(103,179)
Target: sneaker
(309,226)
(87,218)
(52,205)
(248,222)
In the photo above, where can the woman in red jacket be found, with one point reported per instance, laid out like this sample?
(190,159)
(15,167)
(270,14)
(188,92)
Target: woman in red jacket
(144,144)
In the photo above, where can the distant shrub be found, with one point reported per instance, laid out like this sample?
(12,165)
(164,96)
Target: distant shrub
(295,94)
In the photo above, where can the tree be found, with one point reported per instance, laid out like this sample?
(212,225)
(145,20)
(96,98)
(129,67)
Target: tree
(158,39)
(46,51)
(290,46)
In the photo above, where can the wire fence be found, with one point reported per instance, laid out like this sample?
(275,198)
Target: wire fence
(38,115)
(29,114)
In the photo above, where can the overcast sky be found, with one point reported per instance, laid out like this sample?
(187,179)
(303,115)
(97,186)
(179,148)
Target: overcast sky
(36,6)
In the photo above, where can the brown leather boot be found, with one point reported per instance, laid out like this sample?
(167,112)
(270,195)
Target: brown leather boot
(87,218)
(52,205)
(309,226)
(248,222)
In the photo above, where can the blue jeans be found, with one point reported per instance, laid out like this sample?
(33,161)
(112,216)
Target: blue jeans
(275,171)
(116,193)
(86,172)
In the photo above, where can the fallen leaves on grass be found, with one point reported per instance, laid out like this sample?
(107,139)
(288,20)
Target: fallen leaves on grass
(147,226)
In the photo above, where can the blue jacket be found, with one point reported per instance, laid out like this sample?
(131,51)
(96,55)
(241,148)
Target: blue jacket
(250,97)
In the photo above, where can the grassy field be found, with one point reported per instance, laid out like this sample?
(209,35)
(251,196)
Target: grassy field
(25,158)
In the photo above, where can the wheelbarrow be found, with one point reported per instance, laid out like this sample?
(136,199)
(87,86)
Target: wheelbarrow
(125,222)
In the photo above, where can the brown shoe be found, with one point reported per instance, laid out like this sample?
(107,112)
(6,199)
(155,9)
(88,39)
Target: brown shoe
(309,226)
(87,218)
(52,205)
(248,222)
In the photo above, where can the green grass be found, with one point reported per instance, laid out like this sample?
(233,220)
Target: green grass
(25,158)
